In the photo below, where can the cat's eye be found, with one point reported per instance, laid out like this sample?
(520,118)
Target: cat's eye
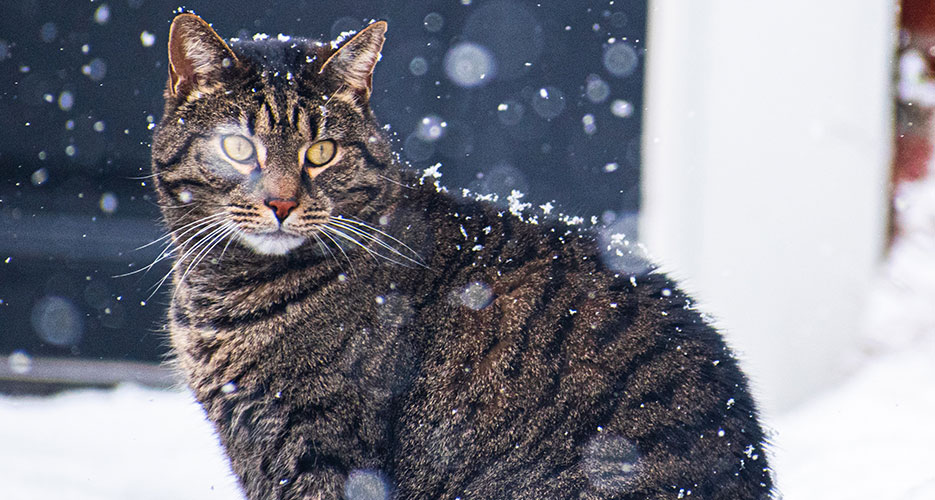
(238,148)
(321,152)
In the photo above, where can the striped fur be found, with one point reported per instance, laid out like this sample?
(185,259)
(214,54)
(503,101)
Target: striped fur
(418,345)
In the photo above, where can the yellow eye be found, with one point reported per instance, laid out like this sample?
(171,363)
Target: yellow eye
(321,152)
(238,148)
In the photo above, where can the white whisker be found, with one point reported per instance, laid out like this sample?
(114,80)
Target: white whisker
(373,254)
(394,181)
(340,249)
(212,229)
(370,237)
(216,237)
(186,228)
(377,230)
(168,250)
(233,236)
(337,232)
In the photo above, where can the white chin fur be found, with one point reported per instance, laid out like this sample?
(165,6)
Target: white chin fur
(272,243)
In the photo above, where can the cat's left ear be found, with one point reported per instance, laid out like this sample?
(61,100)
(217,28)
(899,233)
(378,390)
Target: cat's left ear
(354,61)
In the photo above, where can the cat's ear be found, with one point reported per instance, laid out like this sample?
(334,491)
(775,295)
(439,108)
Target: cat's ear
(197,57)
(354,61)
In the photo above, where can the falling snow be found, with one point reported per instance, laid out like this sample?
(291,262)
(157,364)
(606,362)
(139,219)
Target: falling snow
(147,39)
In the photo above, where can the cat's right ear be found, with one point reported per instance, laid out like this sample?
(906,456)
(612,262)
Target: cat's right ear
(355,59)
(197,58)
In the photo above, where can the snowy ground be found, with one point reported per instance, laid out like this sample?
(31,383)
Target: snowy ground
(871,438)
(126,443)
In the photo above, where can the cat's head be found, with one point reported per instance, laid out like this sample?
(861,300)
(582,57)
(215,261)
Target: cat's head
(266,140)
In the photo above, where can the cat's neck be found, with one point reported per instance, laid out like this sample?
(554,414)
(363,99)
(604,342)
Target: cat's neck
(244,284)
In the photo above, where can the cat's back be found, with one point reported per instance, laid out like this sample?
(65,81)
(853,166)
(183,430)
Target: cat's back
(544,354)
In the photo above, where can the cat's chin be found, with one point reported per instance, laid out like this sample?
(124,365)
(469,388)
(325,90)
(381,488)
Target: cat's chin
(277,243)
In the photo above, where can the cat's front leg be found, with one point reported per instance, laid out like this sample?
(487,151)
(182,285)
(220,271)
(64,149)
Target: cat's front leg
(318,485)
(271,451)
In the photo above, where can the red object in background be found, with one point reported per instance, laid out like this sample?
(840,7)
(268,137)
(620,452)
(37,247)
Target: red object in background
(915,127)
(913,152)
(914,144)
(917,16)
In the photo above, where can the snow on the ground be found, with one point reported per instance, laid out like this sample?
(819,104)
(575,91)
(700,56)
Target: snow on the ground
(903,307)
(120,444)
(871,438)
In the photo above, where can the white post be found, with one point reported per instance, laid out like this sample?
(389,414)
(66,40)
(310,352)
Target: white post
(767,147)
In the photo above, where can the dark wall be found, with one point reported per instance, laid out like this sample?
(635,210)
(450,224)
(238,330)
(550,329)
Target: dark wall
(556,115)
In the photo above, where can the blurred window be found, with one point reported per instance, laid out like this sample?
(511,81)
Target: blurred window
(540,97)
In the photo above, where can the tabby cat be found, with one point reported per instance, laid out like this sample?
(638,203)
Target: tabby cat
(354,331)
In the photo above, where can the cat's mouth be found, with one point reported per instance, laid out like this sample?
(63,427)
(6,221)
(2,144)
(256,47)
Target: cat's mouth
(276,242)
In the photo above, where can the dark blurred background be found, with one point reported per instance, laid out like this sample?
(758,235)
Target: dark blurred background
(543,97)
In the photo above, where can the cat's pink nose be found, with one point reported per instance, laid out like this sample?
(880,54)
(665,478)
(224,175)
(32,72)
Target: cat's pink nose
(282,208)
